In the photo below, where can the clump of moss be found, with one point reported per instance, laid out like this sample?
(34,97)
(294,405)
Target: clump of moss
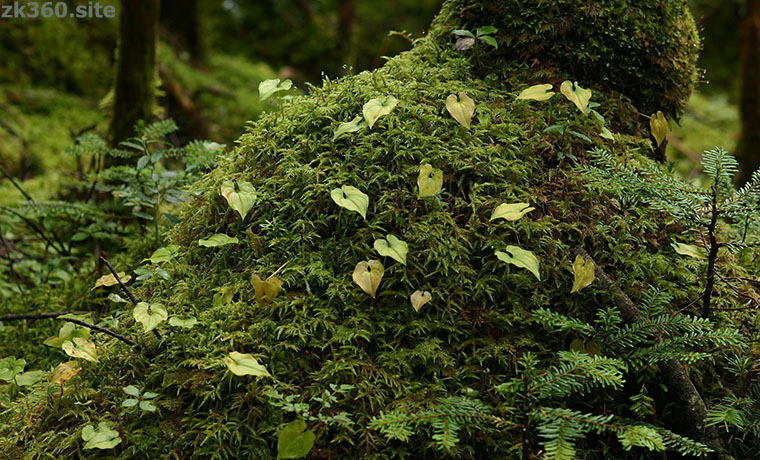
(323,329)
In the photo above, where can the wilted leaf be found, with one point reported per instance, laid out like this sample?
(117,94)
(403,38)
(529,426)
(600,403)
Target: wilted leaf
(659,126)
(266,290)
(110,280)
(245,364)
(377,108)
(150,315)
(352,126)
(577,95)
(65,371)
(537,92)
(102,438)
(511,211)
(9,367)
(521,258)
(80,348)
(464,43)
(368,275)
(429,181)
(688,250)
(241,201)
(583,273)
(392,247)
(268,87)
(351,198)
(294,440)
(419,298)
(187,323)
(218,239)
(163,254)
(461,109)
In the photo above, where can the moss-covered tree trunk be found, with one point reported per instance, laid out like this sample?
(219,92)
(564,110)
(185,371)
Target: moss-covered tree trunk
(749,145)
(135,73)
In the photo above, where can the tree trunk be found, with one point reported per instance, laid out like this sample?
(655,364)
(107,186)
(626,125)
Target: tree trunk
(136,68)
(748,150)
(181,21)
(346,39)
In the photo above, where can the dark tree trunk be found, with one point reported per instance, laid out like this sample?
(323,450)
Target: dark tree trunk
(181,23)
(748,150)
(346,39)
(136,68)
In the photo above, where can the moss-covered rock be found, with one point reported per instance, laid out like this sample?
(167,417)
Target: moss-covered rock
(322,330)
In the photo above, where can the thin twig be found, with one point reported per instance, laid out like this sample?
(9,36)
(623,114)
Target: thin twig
(101,329)
(42,315)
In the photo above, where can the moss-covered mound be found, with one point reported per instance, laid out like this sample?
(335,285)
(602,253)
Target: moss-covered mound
(323,330)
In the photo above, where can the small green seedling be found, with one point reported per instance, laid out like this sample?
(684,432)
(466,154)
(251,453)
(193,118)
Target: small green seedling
(142,401)
(467,39)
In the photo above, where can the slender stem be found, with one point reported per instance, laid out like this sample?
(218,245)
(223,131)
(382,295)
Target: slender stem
(118,280)
(712,256)
(101,329)
(42,315)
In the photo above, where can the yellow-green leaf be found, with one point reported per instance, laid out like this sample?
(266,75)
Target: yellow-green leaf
(461,109)
(607,134)
(659,126)
(150,315)
(351,198)
(352,126)
(163,254)
(378,107)
(186,323)
(521,258)
(419,298)
(67,332)
(266,290)
(577,95)
(368,275)
(245,364)
(294,440)
(65,371)
(583,273)
(10,366)
(688,250)
(393,247)
(537,92)
(511,211)
(102,438)
(78,347)
(218,239)
(268,87)
(110,280)
(29,378)
(429,181)
(241,200)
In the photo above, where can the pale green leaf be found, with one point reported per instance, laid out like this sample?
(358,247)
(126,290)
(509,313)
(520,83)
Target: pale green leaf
(150,315)
(577,95)
(294,440)
(688,250)
(658,124)
(351,198)
(583,273)
(352,126)
(419,298)
(368,275)
(537,92)
(268,87)
(429,181)
(241,200)
(131,390)
(67,332)
(521,258)
(9,367)
(218,239)
(147,406)
(245,364)
(102,438)
(461,109)
(29,378)
(78,347)
(511,211)
(130,402)
(607,134)
(183,322)
(393,247)
(378,107)
(163,254)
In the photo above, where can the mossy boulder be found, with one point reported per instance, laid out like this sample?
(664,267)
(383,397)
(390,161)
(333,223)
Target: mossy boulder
(322,329)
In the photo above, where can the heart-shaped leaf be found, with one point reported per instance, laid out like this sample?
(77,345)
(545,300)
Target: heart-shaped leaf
(186,323)
(520,257)
(150,315)
(429,181)
(352,126)
(577,95)
(294,440)
(461,109)
(67,332)
(268,87)
(245,364)
(688,250)
(218,239)
(377,108)
(81,348)
(65,371)
(163,254)
(102,438)
(351,198)
(110,280)
(266,290)
(29,378)
(659,126)
(393,247)
(419,298)
(511,211)
(583,273)
(537,92)
(9,367)
(368,275)
(242,200)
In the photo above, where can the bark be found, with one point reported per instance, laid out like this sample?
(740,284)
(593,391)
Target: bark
(134,96)
(346,39)
(748,150)
(181,21)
